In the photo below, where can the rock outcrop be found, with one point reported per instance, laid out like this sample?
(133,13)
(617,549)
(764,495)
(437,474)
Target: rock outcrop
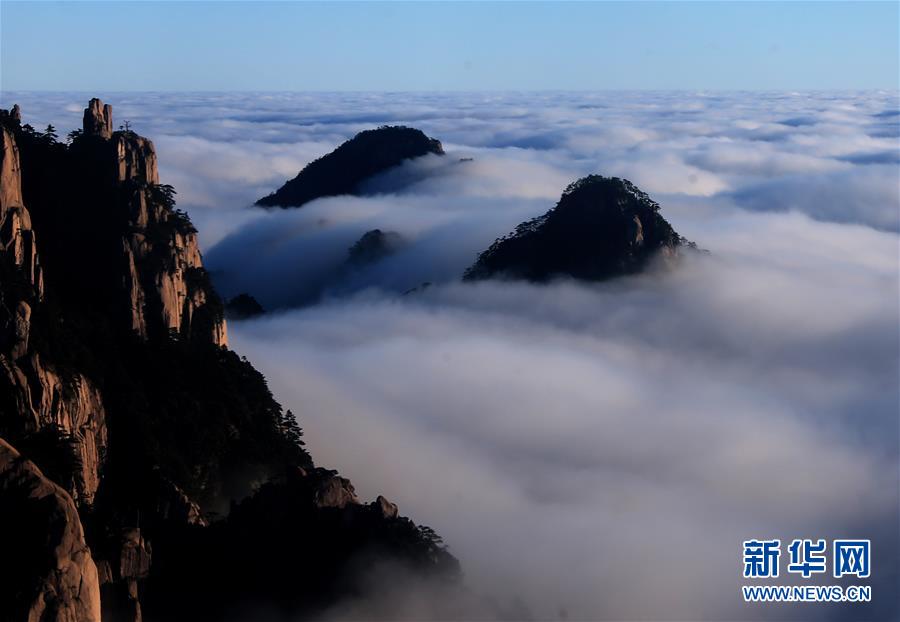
(344,169)
(47,572)
(385,507)
(601,228)
(97,119)
(335,492)
(135,158)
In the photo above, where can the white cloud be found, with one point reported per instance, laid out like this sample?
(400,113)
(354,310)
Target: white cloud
(599,448)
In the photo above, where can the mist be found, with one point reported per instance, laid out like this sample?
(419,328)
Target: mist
(604,450)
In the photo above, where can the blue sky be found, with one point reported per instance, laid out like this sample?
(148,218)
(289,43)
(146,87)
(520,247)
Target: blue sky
(447,46)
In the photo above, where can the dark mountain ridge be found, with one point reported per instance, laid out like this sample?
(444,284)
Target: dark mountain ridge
(342,171)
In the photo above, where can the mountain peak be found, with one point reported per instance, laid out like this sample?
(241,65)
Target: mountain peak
(601,227)
(340,172)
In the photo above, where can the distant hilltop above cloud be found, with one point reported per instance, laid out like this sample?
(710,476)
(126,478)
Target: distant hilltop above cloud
(341,171)
(602,227)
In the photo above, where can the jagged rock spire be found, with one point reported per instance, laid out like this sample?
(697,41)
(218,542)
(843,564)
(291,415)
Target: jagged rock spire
(98,119)
(16,113)
(135,155)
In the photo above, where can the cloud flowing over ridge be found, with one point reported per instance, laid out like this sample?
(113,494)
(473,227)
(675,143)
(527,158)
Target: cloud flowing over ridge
(594,450)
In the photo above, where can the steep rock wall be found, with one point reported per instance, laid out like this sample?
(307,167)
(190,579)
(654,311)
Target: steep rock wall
(42,395)
(47,572)
(17,238)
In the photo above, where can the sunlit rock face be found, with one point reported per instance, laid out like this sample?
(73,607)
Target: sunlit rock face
(47,572)
(17,237)
(71,404)
(602,227)
(344,169)
(136,158)
(10,173)
(335,492)
(166,284)
(98,119)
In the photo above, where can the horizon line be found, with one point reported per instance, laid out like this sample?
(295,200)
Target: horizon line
(895,89)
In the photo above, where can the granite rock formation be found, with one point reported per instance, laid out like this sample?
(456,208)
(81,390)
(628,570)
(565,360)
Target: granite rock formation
(166,282)
(47,572)
(602,227)
(40,395)
(16,233)
(98,119)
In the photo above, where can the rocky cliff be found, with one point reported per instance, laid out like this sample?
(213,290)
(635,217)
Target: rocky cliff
(344,169)
(47,566)
(602,227)
(34,388)
(163,268)
(16,234)
(130,433)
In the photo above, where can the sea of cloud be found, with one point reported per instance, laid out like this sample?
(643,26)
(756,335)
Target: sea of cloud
(587,451)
